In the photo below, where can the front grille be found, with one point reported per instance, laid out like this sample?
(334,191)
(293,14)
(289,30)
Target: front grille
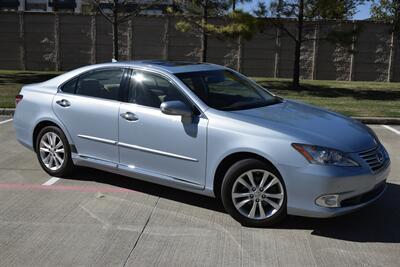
(375,158)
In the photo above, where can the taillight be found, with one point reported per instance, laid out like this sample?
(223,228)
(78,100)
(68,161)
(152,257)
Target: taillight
(18,99)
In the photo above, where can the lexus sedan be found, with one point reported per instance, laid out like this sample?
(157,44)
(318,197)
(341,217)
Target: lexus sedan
(206,129)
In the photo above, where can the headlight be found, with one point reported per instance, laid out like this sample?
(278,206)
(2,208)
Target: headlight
(325,156)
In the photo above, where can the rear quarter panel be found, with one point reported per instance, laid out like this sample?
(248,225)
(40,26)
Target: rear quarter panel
(35,107)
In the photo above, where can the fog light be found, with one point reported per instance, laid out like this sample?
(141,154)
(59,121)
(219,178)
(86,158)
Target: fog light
(330,201)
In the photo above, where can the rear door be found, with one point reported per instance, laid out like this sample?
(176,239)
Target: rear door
(88,106)
(155,142)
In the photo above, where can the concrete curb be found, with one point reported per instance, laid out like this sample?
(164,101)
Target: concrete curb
(378,120)
(365,120)
(7,111)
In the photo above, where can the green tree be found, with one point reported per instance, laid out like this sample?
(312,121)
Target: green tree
(233,3)
(117,12)
(302,11)
(387,11)
(195,18)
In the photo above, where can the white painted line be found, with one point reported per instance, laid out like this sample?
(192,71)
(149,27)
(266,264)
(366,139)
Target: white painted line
(51,181)
(391,129)
(2,122)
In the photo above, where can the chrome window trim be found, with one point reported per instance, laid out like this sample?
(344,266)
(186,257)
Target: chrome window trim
(201,115)
(87,72)
(132,69)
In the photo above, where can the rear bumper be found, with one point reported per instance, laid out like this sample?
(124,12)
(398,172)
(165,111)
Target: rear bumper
(355,187)
(22,132)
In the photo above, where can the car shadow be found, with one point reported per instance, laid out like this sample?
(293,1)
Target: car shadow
(379,222)
(87,174)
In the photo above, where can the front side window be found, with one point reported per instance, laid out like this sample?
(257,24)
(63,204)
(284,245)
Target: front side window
(151,90)
(225,90)
(101,83)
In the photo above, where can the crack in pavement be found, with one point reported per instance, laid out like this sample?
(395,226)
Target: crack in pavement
(141,233)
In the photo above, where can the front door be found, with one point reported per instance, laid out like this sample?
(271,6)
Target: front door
(155,142)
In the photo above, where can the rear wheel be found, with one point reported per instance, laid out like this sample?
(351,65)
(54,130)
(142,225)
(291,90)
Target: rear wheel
(254,194)
(53,153)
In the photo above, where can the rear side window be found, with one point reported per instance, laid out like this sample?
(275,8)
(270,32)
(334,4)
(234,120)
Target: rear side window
(70,86)
(101,83)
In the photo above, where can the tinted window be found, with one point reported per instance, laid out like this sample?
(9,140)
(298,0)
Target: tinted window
(151,90)
(226,90)
(101,83)
(70,86)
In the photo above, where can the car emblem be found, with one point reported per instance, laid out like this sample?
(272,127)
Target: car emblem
(379,157)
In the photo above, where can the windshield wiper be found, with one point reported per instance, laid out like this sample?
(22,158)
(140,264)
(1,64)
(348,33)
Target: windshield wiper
(246,105)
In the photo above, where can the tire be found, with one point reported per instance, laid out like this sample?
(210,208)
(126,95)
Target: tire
(46,150)
(264,207)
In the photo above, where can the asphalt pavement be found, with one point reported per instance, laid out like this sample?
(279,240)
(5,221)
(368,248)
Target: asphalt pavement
(96,218)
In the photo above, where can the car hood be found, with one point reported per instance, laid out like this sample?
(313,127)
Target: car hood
(312,125)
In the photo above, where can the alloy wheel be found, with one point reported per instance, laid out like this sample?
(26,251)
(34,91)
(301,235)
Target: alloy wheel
(52,151)
(258,194)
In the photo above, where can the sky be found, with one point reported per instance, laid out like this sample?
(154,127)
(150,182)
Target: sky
(363,11)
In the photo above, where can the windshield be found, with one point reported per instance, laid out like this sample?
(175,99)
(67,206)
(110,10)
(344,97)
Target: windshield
(225,90)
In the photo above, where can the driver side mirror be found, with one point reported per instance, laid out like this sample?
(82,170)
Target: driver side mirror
(176,108)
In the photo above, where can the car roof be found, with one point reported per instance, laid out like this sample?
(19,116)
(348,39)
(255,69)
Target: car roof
(161,65)
(169,66)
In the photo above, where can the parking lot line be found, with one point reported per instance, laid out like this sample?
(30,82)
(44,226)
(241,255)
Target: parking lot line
(2,122)
(391,129)
(51,181)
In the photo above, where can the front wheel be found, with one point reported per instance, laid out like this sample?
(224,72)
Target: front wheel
(53,153)
(253,193)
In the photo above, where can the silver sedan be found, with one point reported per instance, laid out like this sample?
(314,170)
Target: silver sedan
(207,129)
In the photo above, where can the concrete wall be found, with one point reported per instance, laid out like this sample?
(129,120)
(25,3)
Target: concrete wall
(49,41)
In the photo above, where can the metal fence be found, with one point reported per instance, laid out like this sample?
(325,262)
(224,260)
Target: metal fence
(51,41)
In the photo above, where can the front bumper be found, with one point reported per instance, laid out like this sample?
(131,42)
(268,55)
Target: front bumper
(356,187)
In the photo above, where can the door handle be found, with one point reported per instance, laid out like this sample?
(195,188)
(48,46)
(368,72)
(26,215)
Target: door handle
(64,103)
(129,116)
